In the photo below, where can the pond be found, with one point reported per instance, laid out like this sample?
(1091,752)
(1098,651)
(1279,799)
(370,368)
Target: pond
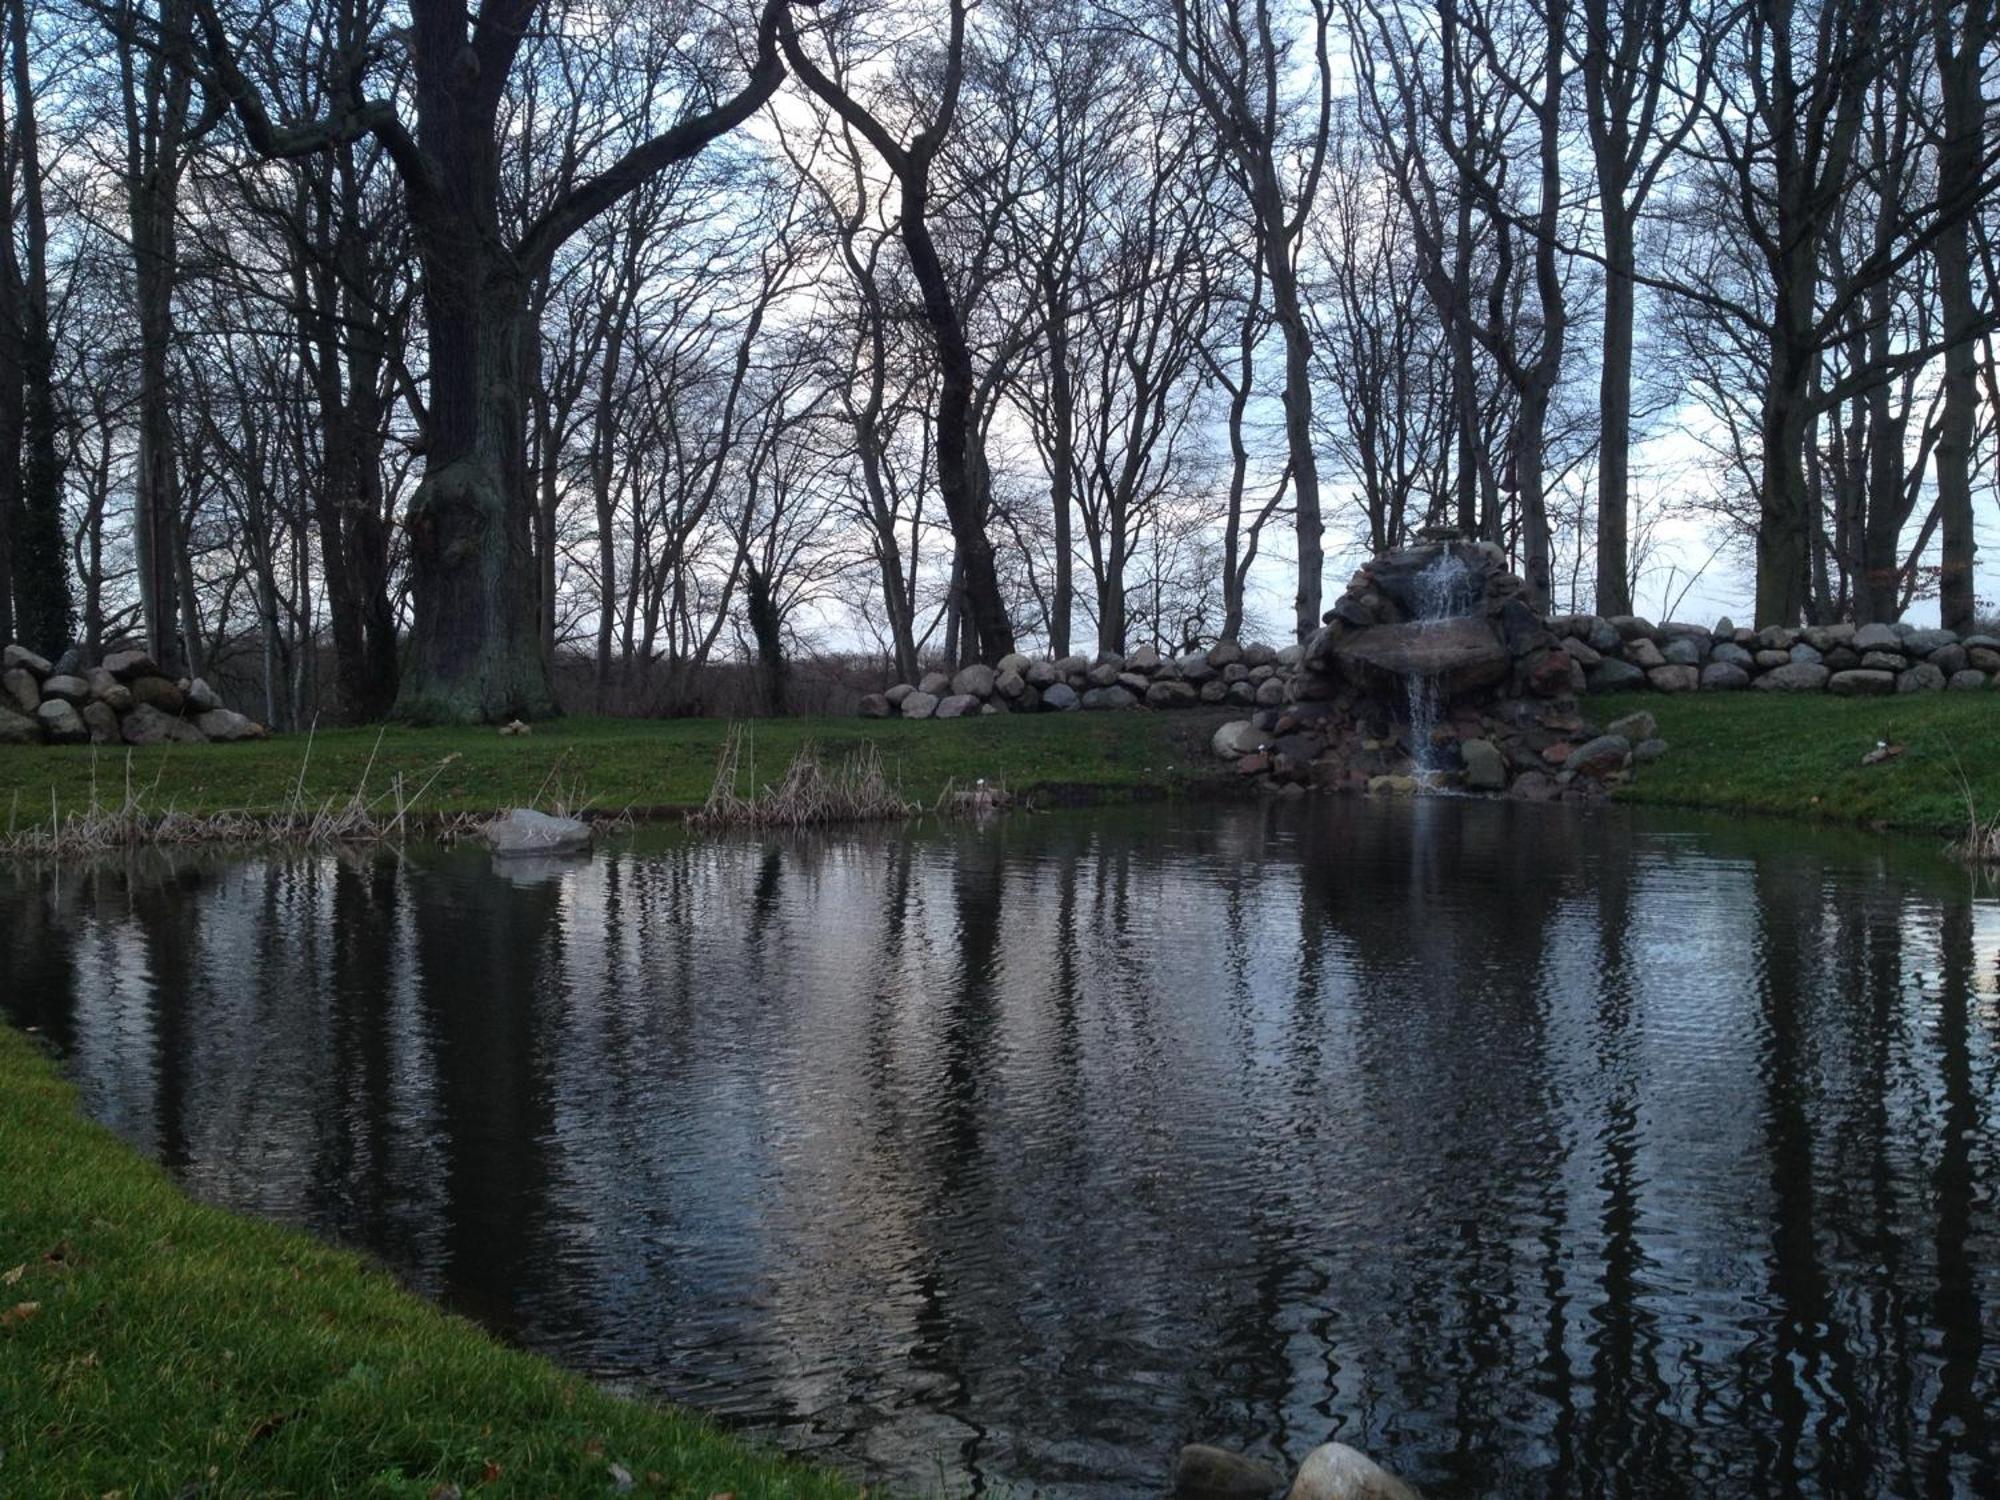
(1532,1152)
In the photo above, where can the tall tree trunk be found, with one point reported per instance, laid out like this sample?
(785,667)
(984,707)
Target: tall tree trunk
(12,423)
(1782,507)
(1062,470)
(476,654)
(1960,61)
(960,455)
(156,104)
(1614,406)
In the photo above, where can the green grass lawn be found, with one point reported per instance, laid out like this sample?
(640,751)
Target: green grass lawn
(150,1346)
(1795,755)
(647,765)
(1799,755)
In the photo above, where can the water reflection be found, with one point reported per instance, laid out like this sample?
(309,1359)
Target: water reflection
(1537,1154)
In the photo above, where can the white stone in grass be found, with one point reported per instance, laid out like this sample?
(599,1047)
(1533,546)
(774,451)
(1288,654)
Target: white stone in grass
(1334,1471)
(523,831)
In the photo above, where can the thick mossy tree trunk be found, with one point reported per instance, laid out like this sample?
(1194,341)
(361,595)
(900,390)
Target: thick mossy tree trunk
(476,651)
(476,647)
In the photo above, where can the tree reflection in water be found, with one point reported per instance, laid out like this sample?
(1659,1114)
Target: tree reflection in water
(1537,1154)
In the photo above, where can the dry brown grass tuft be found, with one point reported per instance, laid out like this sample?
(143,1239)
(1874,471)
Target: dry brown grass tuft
(136,819)
(855,789)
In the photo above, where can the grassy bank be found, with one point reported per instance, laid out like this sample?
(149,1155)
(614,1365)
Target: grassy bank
(648,765)
(1788,755)
(1799,755)
(153,1347)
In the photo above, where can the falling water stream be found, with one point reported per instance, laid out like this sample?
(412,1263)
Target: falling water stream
(1446,589)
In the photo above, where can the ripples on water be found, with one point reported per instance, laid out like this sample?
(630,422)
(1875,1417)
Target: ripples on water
(1534,1154)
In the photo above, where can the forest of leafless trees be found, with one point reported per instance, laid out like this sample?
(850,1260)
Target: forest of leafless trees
(416,359)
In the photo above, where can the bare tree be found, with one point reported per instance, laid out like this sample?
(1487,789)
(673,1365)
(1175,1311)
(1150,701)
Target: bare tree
(476,650)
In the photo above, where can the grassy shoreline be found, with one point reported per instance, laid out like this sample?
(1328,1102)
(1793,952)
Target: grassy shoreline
(1799,756)
(1794,756)
(150,1345)
(649,767)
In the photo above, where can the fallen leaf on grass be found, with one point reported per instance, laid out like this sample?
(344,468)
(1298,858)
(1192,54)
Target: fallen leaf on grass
(491,1472)
(14,1275)
(20,1312)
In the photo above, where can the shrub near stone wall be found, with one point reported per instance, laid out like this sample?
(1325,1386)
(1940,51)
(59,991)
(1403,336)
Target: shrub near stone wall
(124,701)
(1224,675)
(1627,654)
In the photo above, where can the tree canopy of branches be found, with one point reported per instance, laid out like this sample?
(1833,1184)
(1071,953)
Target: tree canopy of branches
(453,360)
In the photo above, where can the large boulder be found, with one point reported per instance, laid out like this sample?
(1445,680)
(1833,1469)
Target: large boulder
(1013,662)
(1731,654)
(1194,667)
(1485,766)
(1238,738)
(147,725)
(1599,758)
(102,721)
(61,723)
(1796,677)
(23,693)
(1463,655)
(957,706)
(1585,656)
(1862,683)
(227,727)
(1060,697)
(1172,695)
(21,658)
(1205,1473)
(524,832)
(160,693)
(125,665)
(1876,638)
(1634,727)
(1685,651)
(1924,642)
(18,729)
(937,684)
(1922,678)
(69,689)
(1674,678)
(874,706)
(1724,677)
(1110,697)
(1335,1471)
(1009,684)
(918,704)
(1971,680)
(975,680)
(1614,676)
(201,698)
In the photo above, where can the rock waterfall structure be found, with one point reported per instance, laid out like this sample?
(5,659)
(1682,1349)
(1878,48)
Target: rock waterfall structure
(1434,672)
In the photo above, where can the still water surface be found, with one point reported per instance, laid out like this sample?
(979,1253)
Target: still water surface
(1534,1153)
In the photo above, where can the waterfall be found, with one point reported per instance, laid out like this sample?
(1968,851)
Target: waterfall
(1446,589)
